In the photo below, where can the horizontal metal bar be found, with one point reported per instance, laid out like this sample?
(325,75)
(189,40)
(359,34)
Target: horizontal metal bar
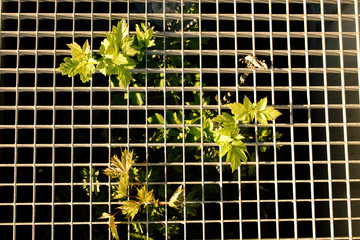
(178,89)
(176,16)
(160,107)
(203,1)
(196,70)
(24,52)
(205,34)
(161,126)
(125,145)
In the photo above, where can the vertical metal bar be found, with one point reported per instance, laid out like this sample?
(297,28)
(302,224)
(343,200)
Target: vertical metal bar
(16,118)
(237,100)
(273,127)
(219,111)
(91,121)
(72,135)
(1,23)
(256,127)
(35,121)
(53,126)
(128,108)
(146,124)
(327,130)
(202,126)
(183,106)
(357,30)
(343,97)
(291,120)
(165,136)
(311,164)
(109,127)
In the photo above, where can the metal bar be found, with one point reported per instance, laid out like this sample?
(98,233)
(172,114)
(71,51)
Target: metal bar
(328,152)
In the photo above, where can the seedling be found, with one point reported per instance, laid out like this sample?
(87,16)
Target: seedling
(118,54)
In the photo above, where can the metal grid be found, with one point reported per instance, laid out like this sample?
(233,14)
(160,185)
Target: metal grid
(50,126)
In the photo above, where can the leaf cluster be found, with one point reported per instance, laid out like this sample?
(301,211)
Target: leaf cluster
(119,52)
(81,62)
(229,136)
(126,176)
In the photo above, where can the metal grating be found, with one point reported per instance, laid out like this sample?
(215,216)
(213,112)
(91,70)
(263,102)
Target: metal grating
(52,127)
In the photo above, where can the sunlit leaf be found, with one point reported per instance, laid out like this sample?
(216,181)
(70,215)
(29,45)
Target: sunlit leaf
(264,113)
(177,199)
(80,63)
(225,119)
(130,208)
(112,225)
(145,197)
(120,167)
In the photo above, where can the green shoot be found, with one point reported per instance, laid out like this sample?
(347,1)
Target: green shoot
(228,136)
(121,170)
(117,55)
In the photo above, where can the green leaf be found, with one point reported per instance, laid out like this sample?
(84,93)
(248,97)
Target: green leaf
(112,225)
(121,30)
(195,131)
(130,208)
(127,48)
(102,67)
(120,190)
(80,63)
(261,105)
(248,105)
(137,98)
(261,118)
(176,118)
(144,196)
(230,131)
(177,199)
(235,155)
(264,113)
(120,168)
(68,67)
(236,108)
(138,228)
(225,149)
(156,119)
(271,113)
(144,35)
(225,119)
(124,77)
(140,236)
(223,140)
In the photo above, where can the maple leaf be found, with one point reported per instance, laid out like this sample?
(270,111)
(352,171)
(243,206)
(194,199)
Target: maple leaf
(120,168)
(112,225)
(130,208)
(144,196)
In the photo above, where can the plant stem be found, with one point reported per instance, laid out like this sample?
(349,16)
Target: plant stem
(136,180)
(160,203)
(116,213)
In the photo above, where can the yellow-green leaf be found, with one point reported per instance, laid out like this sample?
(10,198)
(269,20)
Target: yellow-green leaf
(177,199)
(225,119)
(145,197)
(112,225)
(261,105)
(130,208)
